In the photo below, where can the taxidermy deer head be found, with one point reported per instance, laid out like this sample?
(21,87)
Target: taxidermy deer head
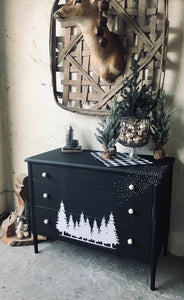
(106,50)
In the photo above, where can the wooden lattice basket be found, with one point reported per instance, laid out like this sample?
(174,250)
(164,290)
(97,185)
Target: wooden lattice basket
(140,25)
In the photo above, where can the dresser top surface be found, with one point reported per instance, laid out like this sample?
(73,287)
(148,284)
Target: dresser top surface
(84,159)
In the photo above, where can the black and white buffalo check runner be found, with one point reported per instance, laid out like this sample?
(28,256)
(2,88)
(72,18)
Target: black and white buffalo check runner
(121,159)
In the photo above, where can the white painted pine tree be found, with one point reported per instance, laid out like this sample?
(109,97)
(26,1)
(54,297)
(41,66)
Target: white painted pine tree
(77,229)
(82,226)
(87,230)
(71,226)
(95,232)
(103,232)
(111,229)
(61,223)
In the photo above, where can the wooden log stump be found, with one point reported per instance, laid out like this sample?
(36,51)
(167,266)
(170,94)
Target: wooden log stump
(14,241)
(8,225)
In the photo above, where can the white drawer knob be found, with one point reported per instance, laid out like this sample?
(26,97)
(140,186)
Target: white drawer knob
(130,241)
(131,211)
(131,187)
(44,174)
(45,195)
(46,221)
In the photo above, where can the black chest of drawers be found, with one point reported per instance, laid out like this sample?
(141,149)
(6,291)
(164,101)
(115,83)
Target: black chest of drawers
(124,210)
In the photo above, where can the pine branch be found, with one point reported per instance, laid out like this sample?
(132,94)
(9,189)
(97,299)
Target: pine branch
(110,127)
(160,122)
(136,101)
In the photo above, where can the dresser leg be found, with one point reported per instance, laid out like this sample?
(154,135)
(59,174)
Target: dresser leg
(35,241)
(153,275)
(165,250)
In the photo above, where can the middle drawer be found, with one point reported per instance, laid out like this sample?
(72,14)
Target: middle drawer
(94,203)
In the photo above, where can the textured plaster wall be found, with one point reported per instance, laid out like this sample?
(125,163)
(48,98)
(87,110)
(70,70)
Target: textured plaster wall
(33,123)
(174,85)
(3,202)
(2,183)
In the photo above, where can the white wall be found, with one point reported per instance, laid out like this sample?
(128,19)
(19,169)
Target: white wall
(33,123)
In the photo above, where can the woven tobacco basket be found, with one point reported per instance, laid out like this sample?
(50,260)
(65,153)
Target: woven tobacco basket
(140,25)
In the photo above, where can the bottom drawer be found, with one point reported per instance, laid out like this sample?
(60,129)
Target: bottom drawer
(127,240)
(134,242)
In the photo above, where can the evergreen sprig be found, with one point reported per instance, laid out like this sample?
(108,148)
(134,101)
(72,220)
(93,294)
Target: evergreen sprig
(110,127)
(160,122)
(136,101)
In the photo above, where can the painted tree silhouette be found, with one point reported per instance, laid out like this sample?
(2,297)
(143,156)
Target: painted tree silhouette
(61,223)
(111,230)
(71,226)
(103,232)
(87,230)
(95,232)
(81,229)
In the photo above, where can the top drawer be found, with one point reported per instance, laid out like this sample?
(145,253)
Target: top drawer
(125,186)
(73,176)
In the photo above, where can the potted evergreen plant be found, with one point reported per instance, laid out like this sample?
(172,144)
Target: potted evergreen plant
(109,132)
(136,104)
(160,126)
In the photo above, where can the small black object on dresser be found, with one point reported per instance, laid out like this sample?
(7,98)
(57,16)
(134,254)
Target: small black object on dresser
(124,210)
